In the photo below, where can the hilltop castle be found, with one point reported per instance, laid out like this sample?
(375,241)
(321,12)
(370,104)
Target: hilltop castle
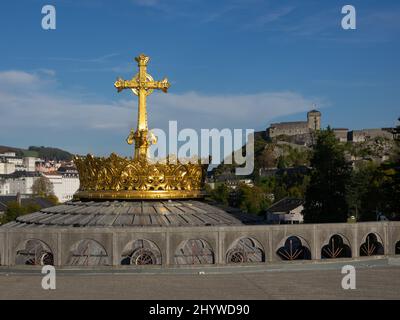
(300,131)
(298,127)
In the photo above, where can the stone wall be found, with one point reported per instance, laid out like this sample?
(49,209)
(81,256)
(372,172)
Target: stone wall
(220,245)
(367,134)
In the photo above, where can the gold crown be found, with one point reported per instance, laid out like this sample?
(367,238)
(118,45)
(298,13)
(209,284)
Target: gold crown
(116,177)
(122,178)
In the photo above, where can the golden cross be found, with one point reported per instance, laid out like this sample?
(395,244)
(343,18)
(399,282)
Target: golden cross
(142,84)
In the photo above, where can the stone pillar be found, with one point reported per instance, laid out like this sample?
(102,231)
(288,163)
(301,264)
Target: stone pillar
(273,257)
(387,246)
(115,251)
(355,250)
(58,261)
(166,260)
(219,247)
(316,255)
(5,253)
(269,250)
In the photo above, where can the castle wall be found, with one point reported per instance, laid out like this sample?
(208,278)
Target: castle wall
(341,134)
(366,134)
(296,127)
(288,129)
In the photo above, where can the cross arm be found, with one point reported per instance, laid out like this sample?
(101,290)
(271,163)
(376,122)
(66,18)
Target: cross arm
(121,84)
(162,85)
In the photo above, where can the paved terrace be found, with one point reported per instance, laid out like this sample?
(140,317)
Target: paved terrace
(375,279)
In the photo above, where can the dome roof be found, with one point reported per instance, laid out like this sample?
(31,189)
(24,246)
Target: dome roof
(132,214)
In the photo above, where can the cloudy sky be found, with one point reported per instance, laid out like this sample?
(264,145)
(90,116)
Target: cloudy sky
(232,64)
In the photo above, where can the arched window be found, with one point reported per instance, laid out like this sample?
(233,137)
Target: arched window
(337,247)
(294,248)
(141,252)
(88,252)
(372,246)
(34,252)
(245,250)
(194,251)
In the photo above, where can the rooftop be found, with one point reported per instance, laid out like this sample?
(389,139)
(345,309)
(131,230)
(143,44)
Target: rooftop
(5,200)
(285,205)
(132,214)
(20,174)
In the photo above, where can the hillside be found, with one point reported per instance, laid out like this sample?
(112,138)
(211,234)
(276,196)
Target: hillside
(271,154)
(47,153)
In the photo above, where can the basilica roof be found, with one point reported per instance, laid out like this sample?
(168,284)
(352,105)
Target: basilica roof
(132,214)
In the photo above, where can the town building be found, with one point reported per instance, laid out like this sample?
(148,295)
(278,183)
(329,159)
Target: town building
(18,182)
(18,174)
(286,211)
(65,182)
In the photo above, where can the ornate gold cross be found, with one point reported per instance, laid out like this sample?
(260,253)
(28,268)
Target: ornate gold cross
(142,85)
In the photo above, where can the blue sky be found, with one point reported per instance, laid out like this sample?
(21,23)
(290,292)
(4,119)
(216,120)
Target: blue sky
(234,64)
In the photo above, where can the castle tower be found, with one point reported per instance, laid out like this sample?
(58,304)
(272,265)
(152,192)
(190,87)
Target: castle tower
(314,119)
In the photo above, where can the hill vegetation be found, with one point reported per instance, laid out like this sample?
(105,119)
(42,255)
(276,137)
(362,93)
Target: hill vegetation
(46,153)
(337,180)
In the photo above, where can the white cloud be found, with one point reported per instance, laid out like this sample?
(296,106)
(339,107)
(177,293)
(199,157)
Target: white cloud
(27,105)
(14,77)
(233,111)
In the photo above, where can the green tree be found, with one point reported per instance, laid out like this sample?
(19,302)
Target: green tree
(14,210)
(267,159)
(220,194)
(251,199)
(52,198)
(42,187)
(282,163)
(325,199)
(360,185)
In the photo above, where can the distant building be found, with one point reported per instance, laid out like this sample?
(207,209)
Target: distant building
(65,182)
(9,163)
(30,163)
(11,157)
(368,134)
(4,187)
(7,168)
(17,175)
(17,182)
(47,166)
(341,134)
(286,211)
(270,172)
(229,179)
(313,123)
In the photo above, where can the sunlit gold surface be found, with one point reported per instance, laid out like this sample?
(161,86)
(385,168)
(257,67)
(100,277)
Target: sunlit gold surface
(116,177)
(139,195)
(142,84)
